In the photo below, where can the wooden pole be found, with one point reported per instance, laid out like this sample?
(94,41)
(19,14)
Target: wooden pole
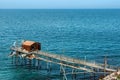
(30,63)
(105,65)
(25,61)
(39,65)
(15,60)
(34,63)
(12,59)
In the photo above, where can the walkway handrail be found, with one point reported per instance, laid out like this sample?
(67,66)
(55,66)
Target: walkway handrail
(66,59)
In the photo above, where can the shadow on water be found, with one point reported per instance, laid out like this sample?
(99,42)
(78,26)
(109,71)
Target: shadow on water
(30,75)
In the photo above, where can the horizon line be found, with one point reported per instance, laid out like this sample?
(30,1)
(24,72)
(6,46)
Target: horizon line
(59,8)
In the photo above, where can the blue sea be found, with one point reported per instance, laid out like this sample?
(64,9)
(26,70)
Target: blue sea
(79,33)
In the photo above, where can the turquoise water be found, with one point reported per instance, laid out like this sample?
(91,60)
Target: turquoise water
(74,33)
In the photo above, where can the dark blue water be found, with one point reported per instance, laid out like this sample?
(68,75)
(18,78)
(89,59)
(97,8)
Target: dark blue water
(74,33)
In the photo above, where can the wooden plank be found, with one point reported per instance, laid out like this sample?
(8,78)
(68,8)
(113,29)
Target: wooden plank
(66,59)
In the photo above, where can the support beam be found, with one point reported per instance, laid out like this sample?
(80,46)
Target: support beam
(64,73)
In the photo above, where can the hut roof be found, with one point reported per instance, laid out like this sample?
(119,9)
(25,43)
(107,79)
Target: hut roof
(28,43)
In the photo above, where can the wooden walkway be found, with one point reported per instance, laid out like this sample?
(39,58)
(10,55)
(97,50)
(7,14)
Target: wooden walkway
(66,61)
(113,76)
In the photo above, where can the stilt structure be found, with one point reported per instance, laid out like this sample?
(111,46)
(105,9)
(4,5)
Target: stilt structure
(30,54)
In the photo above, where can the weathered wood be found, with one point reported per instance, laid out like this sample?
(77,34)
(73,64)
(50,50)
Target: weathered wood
(58,59)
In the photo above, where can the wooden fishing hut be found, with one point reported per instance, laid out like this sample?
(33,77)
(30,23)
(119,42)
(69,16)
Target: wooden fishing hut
(31,46)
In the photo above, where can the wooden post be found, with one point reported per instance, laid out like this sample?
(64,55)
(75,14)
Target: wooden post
(84,75)
(91,75)
(47,66)
(15,60)
(12,59)
(34,63)
(22,61)
(50,66)
(94,76)
(25,61)
(105,65)
(30,63)
(73,74)
(39,65)
(64,73)
(61,72)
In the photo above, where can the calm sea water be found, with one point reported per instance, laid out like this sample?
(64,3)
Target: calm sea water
(75,33)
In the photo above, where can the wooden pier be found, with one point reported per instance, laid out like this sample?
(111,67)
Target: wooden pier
(63,61)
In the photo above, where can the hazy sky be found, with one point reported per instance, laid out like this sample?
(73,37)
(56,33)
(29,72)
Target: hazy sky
(61,4)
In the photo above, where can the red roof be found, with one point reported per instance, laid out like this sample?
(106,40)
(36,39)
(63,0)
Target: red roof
(28,43)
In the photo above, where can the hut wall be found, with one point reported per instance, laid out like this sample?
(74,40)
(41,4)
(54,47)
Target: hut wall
(33,47)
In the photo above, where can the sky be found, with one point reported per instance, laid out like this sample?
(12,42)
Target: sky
(59,4)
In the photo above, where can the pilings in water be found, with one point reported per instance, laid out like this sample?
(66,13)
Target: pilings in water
(18,60)
(32,63)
